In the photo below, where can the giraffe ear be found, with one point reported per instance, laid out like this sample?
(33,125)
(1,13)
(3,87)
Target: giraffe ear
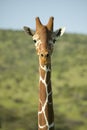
(29,31)
(59,32)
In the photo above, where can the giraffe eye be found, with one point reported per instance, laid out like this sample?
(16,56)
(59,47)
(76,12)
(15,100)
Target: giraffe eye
(54,40)
(34,41)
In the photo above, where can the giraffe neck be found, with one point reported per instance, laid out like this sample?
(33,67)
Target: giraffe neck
(45,110)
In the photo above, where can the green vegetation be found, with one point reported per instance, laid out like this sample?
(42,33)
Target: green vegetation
(19,82)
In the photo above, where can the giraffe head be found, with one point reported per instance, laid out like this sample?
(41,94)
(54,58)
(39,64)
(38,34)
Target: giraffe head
(44,38)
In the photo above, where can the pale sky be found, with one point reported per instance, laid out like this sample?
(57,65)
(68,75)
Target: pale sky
(72,14)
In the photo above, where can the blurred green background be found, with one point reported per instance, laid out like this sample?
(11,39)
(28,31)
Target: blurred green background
(19,82)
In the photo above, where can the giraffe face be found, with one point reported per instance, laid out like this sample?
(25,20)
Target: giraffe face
(44,39)
(44,44)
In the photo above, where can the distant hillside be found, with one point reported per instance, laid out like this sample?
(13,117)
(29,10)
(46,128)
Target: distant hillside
(19,82)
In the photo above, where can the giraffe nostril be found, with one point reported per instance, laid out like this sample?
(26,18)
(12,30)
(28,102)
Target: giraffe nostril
(42,55)
(47,55)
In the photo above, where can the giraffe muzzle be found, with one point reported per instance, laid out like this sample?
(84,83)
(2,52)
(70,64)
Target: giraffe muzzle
(45,55)
(45,58)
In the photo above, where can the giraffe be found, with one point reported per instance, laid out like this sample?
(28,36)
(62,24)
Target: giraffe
(44,38)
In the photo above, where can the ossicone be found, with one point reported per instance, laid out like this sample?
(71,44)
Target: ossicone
(38,23)
(50,24)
